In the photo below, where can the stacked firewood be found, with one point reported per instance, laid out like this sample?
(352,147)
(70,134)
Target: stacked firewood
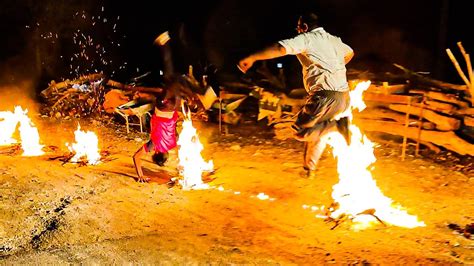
(427,111)
(74,98)
(84,96)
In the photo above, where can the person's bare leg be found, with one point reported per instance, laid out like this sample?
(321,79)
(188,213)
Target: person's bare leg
(138,164)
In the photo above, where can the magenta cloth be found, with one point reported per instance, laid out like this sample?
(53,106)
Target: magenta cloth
(163,132)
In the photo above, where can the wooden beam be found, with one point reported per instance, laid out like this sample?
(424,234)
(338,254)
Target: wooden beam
(390,98)
(443,123)
(448,139)
(381,113)
(466,111)
(126,87)
(445,108)
(469,121)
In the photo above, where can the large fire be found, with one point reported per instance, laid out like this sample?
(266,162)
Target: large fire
(190,160)
(30,140)
(86,147)
(357,195)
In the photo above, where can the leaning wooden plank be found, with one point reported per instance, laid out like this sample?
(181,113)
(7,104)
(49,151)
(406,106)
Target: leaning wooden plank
(447,139)
(442,122)
(390,98)
(432,82)
(381,113)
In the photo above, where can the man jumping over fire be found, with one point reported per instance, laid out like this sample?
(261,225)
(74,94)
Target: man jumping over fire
(323,58)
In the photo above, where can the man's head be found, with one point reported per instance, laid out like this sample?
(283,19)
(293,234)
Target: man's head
(307,22)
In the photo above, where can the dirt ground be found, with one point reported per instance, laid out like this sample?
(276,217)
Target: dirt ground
(52,213)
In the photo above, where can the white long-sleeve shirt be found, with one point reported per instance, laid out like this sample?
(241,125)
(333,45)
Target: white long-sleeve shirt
(322,57)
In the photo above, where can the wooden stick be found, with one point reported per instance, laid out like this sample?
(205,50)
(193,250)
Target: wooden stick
(469,68)
(220,114)
(467,58)
(420,118)
(458,68)
(407,122)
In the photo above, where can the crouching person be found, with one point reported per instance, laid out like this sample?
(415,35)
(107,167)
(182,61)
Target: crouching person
(162,135)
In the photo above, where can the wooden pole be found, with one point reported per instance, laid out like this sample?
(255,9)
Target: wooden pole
(220,112)
(407,122)
(420,125)
(467,58)
(458,68)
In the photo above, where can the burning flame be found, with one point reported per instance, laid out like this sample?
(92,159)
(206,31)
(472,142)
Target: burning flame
(86,146)
(357,194)
(28,132)
(8,122)
(189,154)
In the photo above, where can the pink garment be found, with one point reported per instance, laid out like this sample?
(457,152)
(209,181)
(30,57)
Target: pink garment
(163,132)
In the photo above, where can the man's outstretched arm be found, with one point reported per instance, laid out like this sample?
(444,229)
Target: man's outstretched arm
(273,51)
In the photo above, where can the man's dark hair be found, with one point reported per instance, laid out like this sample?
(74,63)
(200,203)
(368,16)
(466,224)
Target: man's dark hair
(311,19)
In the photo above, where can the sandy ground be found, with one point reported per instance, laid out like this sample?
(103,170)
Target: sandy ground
(52,213)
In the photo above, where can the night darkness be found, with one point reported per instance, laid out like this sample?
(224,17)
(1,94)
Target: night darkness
(38,36)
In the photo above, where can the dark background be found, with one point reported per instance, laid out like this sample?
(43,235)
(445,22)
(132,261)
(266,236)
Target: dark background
(40,39)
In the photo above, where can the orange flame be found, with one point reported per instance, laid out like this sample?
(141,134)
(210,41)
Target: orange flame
(189,154)
(28,132)
(86,146)
(357,193)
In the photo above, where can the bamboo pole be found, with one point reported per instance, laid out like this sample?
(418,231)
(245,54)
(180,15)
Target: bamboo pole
(405,137)
(467,58)
(458,68)
(420,119)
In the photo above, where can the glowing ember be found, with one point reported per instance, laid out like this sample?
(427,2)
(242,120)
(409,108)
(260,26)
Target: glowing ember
(190,159)
(262,196)
(28,132)
(86,147)
(357,194)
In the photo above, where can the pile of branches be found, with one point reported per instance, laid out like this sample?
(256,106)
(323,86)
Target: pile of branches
(84,96)
(74,98)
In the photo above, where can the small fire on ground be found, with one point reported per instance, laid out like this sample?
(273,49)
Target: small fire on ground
(191,163)
(357,196)
(30,140)
(86,147)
